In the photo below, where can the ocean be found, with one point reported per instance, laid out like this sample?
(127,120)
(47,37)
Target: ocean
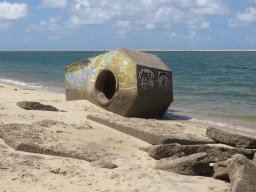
(215,87)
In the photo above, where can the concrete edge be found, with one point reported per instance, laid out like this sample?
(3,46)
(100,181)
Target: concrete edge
(150,138)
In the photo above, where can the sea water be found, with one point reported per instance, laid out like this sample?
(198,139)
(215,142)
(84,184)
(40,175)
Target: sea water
(217,87)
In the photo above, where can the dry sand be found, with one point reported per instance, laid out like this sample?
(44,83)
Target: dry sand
(74,133)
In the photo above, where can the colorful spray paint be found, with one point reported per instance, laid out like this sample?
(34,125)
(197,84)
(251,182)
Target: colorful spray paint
(123,81)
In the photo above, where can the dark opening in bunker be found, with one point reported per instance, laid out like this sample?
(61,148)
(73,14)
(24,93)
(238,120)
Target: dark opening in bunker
(106,84)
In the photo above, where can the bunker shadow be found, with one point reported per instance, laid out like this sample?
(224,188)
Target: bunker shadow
(171,114)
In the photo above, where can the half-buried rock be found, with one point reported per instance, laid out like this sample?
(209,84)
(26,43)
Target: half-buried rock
(38,138)
(242,174)
(232,137)
(220,170)
(126,82)
(36,106)
(215,152)
(195,164)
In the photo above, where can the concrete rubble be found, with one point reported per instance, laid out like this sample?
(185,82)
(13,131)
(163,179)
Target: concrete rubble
(216,152)
(220,170)
(195,164)
(153,131)
(232,137)
(242,172)
(38,138)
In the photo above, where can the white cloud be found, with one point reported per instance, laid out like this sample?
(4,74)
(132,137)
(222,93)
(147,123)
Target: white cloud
(150,26)
(88,12)
(205,25)
(192,36)
(46,25)
(54,3)
(168,14)
(173,35)
(125,27)
(12,11)
(244,19)
(210,7)
(146,14)
(124,24)
(51,26)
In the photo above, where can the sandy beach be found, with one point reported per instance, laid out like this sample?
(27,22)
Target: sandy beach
(83,146)
(127,96)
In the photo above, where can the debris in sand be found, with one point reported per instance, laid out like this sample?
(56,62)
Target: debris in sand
(36,106)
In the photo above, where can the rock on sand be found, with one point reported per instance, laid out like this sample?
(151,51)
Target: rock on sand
(242,174)
(232,137)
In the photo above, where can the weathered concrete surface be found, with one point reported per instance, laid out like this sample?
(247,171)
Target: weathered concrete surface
(195,159)
(38,138)
(196,164)
(126,82)
(242,174)
(232,137)
(220,170)
(36,106)
(217,152)
(153,131)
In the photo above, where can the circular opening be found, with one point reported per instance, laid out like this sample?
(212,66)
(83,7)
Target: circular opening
(106,84)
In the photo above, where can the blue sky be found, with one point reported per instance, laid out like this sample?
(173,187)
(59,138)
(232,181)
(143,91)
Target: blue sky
(138,24)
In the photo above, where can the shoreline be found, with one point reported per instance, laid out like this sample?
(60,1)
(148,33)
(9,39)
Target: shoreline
(146,50)
(24,85)
(215,121)
(192,117)
(222,98)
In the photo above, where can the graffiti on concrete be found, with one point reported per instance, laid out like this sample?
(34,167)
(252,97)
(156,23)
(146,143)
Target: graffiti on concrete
(123,81)
(146,79)
(163,80)
(106,60)
(92,73)
(85,62)
(83,73)
(77,75)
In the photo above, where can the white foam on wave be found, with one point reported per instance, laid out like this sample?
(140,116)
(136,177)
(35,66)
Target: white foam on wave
(226,125)
(9,81)
(23,84)
(219,124)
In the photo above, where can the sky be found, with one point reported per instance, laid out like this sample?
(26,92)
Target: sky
(137,24)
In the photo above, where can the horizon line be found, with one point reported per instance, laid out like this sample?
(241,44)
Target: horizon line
(104,50)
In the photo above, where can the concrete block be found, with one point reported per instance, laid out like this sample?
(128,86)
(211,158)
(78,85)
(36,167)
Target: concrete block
(126,82)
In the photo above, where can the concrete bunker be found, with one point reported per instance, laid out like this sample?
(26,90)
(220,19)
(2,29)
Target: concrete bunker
(126,82)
